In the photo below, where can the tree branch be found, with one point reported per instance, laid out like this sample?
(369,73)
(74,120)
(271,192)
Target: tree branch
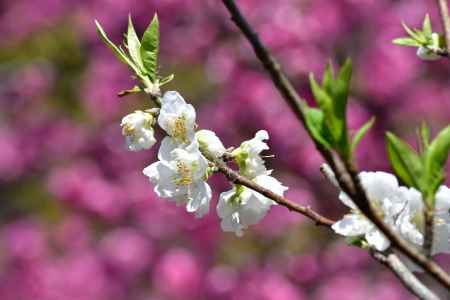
(236,178)
(408,279)
(445,19)
(390,260)
(346,175)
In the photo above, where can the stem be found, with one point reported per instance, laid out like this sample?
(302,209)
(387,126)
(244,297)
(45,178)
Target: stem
(346,176)
(445,19)
(236,178)
(429,234)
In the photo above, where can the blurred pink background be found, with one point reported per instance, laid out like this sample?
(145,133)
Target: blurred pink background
(78,220)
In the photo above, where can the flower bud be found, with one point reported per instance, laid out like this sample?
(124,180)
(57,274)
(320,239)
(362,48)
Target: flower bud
(208,141)
(138,131)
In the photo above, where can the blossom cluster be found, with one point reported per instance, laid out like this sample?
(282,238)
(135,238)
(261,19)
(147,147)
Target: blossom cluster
(73,201)
(182,171)
(401,208)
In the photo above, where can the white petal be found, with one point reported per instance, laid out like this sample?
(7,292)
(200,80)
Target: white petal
(271,183)
(352,225)
(347,201)
(224,208)
(200,199)
(161,175)
(375,238)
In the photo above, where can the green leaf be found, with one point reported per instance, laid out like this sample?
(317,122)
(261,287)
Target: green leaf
(135,89)
(117,51)
(435,160)
(406,41)
(328,78)
(134,44)
(150,48)
(411,33)
(426,28)
(341,88)
(361,133)
(315,122)
(405,161)
(166,79)
(423,138)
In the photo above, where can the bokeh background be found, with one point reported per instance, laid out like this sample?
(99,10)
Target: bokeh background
(78,220)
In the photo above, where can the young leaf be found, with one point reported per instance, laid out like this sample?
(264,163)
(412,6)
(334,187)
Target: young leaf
(328,78)
(405,161)
(166,79)
(426,28)
(135,89)
(435,159)
(341,88)
(316,125)
(150,48)
(133,44)
(361,133)
(405,41)
(117,51)
(423,137)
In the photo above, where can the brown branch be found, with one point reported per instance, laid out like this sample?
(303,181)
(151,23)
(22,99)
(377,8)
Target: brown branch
(429,231)
(445,19)
(347,175)
(236,178)
(390,260)
(415,286)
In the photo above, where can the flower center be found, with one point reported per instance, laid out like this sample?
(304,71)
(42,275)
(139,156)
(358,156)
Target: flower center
(179,129)
(128,129)
(184,174)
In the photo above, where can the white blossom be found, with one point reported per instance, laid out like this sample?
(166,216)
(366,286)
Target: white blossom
(138,131)
(177,118)
(208,140)
(442,221)
(398,206)
(180,175)
(248,155)
(240,207)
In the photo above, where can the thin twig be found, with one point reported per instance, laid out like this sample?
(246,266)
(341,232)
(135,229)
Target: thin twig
(445,19)
(408,279)
(429,231)
(236,178)
(347,176)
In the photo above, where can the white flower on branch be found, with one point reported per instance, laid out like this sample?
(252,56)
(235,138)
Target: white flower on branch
(441,228)
(248,155)
(177,118)
(397,205)
(180,175)
(209,141)
(240,207)
(138,131)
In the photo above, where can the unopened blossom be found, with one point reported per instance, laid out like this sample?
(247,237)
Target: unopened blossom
(397,205)
(240,207)
(177,118)
(248,155)
(209,141)
(430,52)
(138,131)
(180,175)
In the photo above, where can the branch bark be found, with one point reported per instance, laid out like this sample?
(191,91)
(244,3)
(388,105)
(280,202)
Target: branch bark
(391,261)
(347,176)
